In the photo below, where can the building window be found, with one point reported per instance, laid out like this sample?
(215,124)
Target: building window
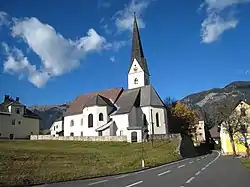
(101,117)
(99,133)
(19,122)
(157,119)
(72,123)
(13,122)
(57,126)
(145,120)
(243,112)
(81,121)
(31,133)
(18,110)
(134,136)
(54,128)
(90,120)
(81,133)
(71,134)
(136,81)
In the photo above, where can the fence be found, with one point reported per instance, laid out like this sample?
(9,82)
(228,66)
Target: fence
(80,138)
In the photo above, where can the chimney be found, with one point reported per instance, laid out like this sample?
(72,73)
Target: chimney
(6,97)
(17,99)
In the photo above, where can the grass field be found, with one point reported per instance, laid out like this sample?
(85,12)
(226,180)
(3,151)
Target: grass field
(246,162)
(34,162)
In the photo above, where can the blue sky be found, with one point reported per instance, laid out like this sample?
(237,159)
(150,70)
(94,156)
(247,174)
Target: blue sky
(52,52)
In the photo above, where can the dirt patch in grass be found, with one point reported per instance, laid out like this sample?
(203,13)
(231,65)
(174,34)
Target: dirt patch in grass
(34,162)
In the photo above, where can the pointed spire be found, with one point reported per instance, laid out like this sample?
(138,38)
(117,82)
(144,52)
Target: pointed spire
(137,51)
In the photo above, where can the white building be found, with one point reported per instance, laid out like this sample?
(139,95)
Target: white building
(116,112)
(16,121)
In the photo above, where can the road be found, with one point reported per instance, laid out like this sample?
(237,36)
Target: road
(212,170)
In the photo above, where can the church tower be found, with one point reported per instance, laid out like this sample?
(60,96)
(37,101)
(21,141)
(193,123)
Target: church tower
(138,74)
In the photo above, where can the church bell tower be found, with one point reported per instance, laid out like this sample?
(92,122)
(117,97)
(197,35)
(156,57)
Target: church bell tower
(138,74)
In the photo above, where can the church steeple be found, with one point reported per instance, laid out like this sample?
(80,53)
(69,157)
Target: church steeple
(138,74)
(137,50)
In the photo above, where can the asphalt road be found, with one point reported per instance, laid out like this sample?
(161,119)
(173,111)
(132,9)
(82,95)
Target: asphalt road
(210,170)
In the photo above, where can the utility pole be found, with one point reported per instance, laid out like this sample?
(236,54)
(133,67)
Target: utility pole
(152,123)
(142,148)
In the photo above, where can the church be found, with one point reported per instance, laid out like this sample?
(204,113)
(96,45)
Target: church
(135,112)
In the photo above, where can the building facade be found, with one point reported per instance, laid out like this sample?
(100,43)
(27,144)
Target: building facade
(135,112)
(16,121)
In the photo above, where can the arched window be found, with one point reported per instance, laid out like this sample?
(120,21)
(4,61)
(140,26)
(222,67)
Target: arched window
(71,134)
(81,121)
(134,136)
(90,120)
(136,81)
(101,117)
(157,119)
(72,123)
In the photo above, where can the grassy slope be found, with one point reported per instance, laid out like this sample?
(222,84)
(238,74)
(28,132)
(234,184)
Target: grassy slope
(32,162)
(246,162)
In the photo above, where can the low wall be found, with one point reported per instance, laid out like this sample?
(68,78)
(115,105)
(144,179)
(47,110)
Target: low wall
(80,138)
(164,136)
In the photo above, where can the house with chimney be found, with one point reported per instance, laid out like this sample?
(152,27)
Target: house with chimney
(135,112)
(16,121)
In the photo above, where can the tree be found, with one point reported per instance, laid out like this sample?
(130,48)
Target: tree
(185,118)
(236,124)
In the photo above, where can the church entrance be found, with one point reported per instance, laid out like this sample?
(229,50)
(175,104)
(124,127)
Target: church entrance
(134,137)
(11,136)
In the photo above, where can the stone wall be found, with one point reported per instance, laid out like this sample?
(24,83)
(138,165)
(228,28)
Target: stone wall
(80,138)
(164,136)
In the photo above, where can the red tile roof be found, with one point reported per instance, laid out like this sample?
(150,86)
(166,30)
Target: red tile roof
(76,106)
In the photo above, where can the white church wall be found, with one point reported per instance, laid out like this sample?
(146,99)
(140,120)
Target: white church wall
(121,122)
(56,127)
(77,126)
(162,129)
(139,74)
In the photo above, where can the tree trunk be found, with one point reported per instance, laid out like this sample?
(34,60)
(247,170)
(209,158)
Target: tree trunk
(246,144)
(233,144)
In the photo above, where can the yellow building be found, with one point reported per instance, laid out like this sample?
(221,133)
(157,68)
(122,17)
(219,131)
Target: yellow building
(242,108)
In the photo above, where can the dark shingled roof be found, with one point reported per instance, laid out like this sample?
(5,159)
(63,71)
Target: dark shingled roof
(142,96)
(9,101)
(126,101)
(98,100)
(77,106)
(137,51)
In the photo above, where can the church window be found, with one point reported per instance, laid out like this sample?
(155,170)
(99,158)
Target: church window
(72,123)
(81,121)
(136,81)
(101,117)
(145,120)
(157,120)
(81,133)
(71,134)
(90,120)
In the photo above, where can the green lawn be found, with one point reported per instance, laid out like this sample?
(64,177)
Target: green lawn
(246,162)
(33,162)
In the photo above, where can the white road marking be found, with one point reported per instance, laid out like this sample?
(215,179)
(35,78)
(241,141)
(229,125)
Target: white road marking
(198,159)
(181,166)
(134,184)
(197,173)
(119,177)
(189,180)
(203,168)
(191,162)
(164,172)
(97,182)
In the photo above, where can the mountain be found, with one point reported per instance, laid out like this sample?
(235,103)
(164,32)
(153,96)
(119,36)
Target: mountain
(49,113)
(211,101)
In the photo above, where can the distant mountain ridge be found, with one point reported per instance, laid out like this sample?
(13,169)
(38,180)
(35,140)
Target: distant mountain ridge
(204,100)
(210,100)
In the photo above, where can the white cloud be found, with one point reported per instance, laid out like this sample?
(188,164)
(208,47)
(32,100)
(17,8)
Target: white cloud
(4,18)
(215,25)
(124,18)
(112,59)
(58,55)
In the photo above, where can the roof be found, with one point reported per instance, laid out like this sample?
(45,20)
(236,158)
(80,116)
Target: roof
(98,100)
(142,96)
(137,51)
(127,100)
(77,106)
(9,101)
